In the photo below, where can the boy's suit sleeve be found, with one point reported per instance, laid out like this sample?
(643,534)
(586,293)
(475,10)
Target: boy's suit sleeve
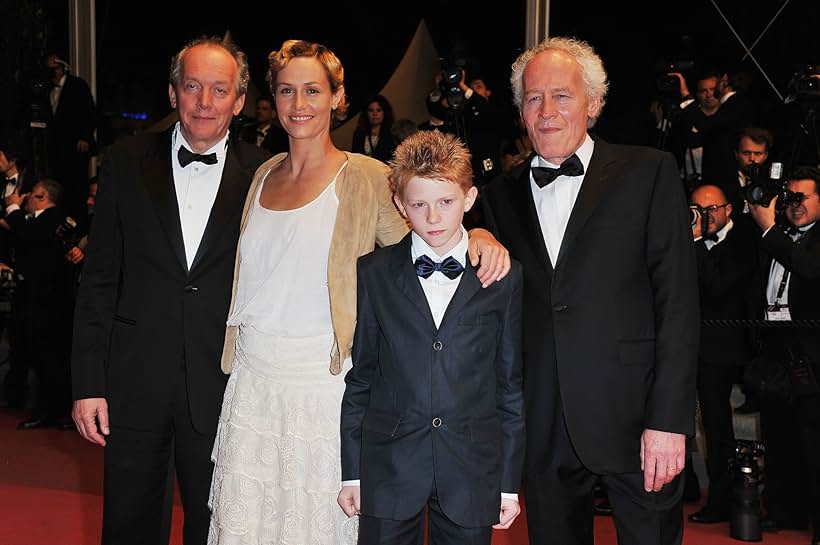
(509,396)
(357,391)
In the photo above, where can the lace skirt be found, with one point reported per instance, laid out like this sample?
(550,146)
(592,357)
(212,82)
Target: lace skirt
(277,472)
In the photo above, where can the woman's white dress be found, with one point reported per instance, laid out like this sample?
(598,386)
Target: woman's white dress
(277,472)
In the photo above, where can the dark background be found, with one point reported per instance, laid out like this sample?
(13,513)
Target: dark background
(136,41)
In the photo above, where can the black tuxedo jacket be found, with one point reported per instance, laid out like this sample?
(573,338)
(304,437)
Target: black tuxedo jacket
(427,407)
(728,284)
(141,315)
(802,259)
(275,141)
(610,330)
(75,118)
(719,133)
(39,257)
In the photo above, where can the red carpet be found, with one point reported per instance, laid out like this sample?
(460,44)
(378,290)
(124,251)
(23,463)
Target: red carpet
(51,483)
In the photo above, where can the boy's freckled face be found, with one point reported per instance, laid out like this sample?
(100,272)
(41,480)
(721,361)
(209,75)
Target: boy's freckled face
(435,210)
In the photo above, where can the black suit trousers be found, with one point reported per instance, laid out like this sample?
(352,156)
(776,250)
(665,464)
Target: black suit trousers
(443,531)
(136,479)
(714,390)
(560,510)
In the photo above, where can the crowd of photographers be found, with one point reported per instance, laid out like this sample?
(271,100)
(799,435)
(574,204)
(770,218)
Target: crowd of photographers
(46,210)
(753,194)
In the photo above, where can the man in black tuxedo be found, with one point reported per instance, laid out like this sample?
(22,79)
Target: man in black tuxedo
(719,132)
(41,302)
(265,132)
(611,317)
(791,428)
(727,276)
(154,295)
(70,134)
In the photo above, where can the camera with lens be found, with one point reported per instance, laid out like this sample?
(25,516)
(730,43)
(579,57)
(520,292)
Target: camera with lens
(747,468)
(9,280)
(665,83)
(68,233)
(451,73)
(805,83)
(766,184)
(695,212)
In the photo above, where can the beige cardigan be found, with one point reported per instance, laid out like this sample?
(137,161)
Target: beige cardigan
(366,216)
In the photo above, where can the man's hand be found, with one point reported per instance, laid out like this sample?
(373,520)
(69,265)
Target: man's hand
(764,216)
(75,255)
(663,457)
(4,267)
(350,500)
(88,414)
(495,259)
(697,228)
(509,510)
(82,146)
(15,198)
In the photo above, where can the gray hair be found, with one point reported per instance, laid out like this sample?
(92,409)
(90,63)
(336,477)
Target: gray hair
(178,61)
(592,68)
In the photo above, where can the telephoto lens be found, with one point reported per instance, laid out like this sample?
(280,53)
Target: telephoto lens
(746,475)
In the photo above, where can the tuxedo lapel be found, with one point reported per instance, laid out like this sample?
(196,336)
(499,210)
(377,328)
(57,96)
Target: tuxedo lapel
(602,168)
(157,175)
(467,288)
(524,205)
(229,200)
(407,281)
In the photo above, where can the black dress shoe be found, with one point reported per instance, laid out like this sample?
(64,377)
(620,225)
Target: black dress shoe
(33,424)
(769,524)
(709,515)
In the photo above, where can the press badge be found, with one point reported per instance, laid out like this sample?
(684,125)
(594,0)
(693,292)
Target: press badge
(778,313)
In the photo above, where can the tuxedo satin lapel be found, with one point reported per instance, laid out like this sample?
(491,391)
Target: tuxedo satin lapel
(157,176)
(228,203)
(521,195)
(407,281)
(602,168)
(466,290)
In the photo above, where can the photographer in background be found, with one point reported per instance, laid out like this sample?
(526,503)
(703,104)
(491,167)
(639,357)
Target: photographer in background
(686,141)
(41,305)
(464,103)
(791,427)
(727,263)
(719,131)
(70,134)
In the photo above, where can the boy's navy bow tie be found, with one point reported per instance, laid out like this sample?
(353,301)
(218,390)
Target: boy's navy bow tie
(543,176)
(450,267)
(186,157)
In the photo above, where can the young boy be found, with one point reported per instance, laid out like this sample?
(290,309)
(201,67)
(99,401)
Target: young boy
(433,410)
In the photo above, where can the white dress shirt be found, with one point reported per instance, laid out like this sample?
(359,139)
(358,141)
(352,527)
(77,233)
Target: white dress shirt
(438,289)
(721,235)
(776,272)
(196,186)
(554,202)
(54,95)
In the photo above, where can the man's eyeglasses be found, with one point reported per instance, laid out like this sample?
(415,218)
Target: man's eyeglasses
(713,208)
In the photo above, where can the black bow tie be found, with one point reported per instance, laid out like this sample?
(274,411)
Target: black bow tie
(793,231)
(543,176)
(710,236)
(450,267)
(186,157)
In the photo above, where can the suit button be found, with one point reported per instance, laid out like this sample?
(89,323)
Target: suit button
(189,288)
(559,308)
(437,346)
(436,422)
